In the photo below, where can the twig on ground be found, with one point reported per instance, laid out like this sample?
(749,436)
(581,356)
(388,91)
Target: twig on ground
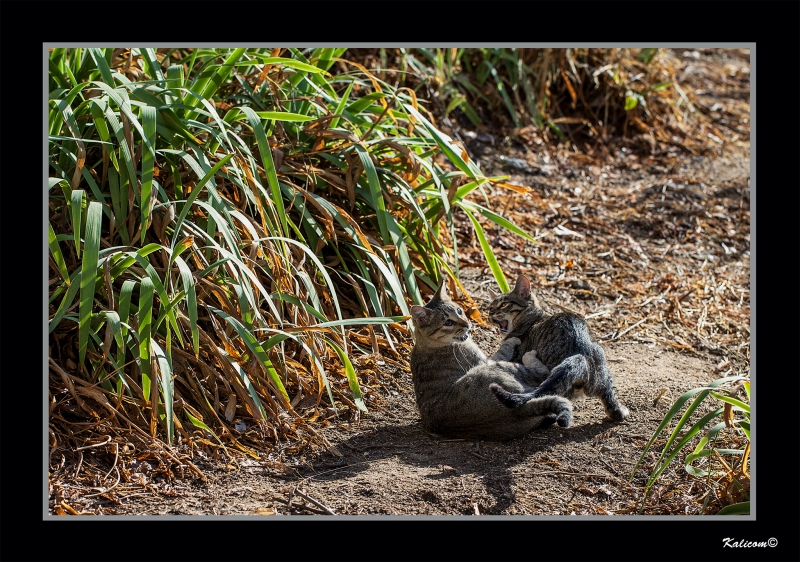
(312,500)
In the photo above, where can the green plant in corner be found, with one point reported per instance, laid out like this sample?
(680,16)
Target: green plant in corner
(736,487)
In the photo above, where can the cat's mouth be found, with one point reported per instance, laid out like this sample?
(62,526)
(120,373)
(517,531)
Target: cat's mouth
(462,337)
(503,325)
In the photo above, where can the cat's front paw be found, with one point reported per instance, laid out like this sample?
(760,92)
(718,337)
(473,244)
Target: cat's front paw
(506,350)
(530,359)
(532,362)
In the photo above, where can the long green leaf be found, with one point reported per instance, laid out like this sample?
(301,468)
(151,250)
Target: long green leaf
(124,306)
(100,61)
(66,302)
(191,301)
(342,103)
(665,458)
(247,383)
(269,166)
(351,375)
(148,164)
(674,410)
(444,144)
(491,259)
(76,208)
(732,401)
(742,508)
(153,67)
(285,62)
(211,79)
(387,224)
(195,193)
(197,422)
(497,219)
(55,252)
(167,388)
(284,116)
(91,248)
(145,333)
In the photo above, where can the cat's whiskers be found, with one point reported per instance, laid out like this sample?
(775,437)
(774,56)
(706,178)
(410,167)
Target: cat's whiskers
(455,355)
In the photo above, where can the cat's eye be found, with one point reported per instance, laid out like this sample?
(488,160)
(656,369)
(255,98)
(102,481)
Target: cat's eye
(459,311)
(448,322)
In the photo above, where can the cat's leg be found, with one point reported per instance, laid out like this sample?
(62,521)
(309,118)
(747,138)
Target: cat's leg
(615,410)
(566,378)
(605,389)
(529,378)
(528,405)
(506,350)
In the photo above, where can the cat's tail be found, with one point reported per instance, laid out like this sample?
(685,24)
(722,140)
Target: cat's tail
(536,406)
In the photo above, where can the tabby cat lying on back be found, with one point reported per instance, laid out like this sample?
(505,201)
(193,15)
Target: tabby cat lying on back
(452,377)
(563,343)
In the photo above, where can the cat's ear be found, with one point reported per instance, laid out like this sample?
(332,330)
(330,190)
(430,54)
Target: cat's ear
(420,315)
(441,293)
(523,287)
(492,293)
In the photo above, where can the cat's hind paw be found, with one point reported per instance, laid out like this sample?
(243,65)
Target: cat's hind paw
(564,416)
(530,359)
(618,413)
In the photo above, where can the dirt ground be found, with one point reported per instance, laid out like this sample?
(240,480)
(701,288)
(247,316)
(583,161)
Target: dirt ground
(652,248)
(389,465)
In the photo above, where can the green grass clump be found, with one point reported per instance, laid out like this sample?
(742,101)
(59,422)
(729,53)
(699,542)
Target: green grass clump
(734,482)
(228,226)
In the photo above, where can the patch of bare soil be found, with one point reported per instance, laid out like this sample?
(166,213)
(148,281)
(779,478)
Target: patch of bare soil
(652,248)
